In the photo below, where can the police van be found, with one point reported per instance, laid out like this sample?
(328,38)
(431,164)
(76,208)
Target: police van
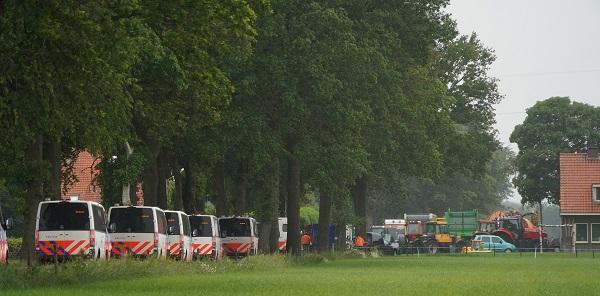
(239,236)
(206,238)
(4,226)
(282,243)
(138,231)
(179,237)
(68,228)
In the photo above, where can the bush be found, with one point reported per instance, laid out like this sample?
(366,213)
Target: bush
(14,247)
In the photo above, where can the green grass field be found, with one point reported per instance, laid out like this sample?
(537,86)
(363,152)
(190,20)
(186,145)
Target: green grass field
(551,274)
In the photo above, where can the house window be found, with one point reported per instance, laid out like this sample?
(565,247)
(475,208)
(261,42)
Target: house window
(596,232)
(581,232)
(596,192)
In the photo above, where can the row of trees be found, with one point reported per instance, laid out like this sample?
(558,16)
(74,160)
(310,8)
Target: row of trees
(254,105)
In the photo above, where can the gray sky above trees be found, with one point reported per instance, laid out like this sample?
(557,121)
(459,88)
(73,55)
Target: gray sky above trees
(544,48)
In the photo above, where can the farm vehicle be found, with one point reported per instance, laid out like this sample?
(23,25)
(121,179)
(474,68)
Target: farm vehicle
(429,233)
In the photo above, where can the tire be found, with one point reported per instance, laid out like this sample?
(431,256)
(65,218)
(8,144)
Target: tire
(507,251)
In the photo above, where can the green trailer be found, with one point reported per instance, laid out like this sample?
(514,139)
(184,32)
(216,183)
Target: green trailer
(462,224)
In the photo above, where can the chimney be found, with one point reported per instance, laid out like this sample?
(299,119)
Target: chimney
(592,153)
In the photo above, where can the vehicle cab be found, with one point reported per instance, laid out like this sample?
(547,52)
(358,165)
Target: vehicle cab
(240,237)
(179,236)
(206,237)
(138,231)
(66,228)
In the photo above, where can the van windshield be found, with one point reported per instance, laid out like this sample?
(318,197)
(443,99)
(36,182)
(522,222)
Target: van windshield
(173,220)
(201,225)
(64,216)
(131,220)
(235,226)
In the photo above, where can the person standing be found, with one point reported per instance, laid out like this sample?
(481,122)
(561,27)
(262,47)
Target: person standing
(305,241)
(359,241)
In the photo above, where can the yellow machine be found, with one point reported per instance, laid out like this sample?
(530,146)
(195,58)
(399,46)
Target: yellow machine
(437,236)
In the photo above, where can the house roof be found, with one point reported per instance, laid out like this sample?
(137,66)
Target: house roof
(577,176)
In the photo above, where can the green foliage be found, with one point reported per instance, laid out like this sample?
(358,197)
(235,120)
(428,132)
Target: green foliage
(309,215)
(551,127)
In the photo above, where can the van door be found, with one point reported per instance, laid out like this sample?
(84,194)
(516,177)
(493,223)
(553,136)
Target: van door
(63,228)
(160,232)
(187,237)
(100,234)
(132,230)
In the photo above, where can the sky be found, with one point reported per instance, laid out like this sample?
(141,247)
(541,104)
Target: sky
(543,48)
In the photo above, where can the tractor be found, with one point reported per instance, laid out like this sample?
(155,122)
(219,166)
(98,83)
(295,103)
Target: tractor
(516,229)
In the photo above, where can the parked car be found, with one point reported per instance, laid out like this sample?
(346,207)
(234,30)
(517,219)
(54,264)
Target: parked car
(71,228)
(206,237)
(179,235)
(137,230)
(240,236)
(495,243)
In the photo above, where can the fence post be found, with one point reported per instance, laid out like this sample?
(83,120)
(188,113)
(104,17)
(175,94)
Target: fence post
(55,258)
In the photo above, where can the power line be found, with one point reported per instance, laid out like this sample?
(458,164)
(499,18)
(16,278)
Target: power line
(548,73)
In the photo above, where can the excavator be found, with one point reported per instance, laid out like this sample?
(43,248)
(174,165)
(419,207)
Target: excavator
(517,229)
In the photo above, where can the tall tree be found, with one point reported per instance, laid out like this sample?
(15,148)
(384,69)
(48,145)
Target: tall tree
(552,126)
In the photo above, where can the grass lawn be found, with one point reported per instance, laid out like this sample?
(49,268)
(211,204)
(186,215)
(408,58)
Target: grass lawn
(551,274)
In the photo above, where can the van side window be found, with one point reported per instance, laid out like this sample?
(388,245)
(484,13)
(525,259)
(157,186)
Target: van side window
(99,218)
(162,222)
(186,225)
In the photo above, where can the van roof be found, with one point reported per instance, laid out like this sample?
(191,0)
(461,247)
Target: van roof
(198,215)
(179,212)
(141,207)
(71,201)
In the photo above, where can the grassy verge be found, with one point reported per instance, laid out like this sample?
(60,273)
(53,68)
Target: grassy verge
(512,274)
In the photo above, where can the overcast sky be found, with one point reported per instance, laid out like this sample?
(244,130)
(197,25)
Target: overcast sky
(544,48)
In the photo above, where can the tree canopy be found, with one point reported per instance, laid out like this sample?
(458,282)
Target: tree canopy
(551,127)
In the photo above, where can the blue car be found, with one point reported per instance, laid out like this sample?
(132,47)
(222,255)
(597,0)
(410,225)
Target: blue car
(496,243)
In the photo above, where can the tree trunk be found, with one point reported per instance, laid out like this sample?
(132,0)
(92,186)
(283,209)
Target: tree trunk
(178,194)
(189,190)
(219,189)
(240,197)
(264,238)
(151,183)
(125,194)
(55,156)
(324,221)
(293,199)
(163,174)
(35,154)
(133,194)
(359,193)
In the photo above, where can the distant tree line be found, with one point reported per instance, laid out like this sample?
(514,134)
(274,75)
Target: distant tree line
(252,105)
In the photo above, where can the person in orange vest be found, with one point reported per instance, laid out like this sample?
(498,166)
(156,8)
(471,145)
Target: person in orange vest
(359,241)
(305,241)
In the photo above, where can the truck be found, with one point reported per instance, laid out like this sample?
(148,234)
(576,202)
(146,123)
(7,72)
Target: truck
(463,225)
(429,233)
(518,229)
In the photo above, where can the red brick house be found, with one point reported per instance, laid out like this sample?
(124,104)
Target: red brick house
(580,199)
(86,188)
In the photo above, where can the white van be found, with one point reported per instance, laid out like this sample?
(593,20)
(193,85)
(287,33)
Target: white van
(179,236)
(71,228)
(282,243)
(239,236)
(138,231)
(206,238)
